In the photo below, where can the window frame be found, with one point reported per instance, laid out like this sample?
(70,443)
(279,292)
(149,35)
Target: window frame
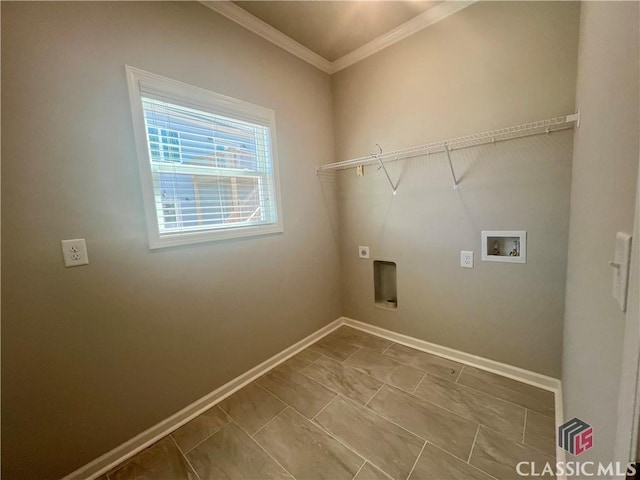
(204,100)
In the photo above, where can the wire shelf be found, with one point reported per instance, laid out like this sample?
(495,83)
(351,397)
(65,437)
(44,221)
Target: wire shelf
(502,134)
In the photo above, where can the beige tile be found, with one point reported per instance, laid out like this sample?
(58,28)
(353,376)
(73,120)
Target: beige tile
(388,370)
(369,472)
(161,460)
(528,396)
(305,450)
(201,427)
(302,359)
(334,347)
(498,456)
(348,381)
(232,454)
(502,416)
(252,407)
(388,446)
(435,424)
(297,390)
(361,339)
(424,361)
(436,464)
(540,432)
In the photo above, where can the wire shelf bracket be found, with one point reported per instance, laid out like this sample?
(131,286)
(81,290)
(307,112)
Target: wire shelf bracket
(453,173)
(508,133)
(384,168)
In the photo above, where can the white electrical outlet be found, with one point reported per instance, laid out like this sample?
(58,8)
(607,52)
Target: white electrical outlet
(74,252)
(466,259)
(363,252)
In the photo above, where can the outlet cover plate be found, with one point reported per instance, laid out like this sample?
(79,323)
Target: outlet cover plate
(621,258)
(74,252)
(466,259)
(363,252)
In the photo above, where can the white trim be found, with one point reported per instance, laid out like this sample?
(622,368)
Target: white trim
(142,83)
(561,454)
(509,371)
(266,31)
(254,24)
(626,445)
(420,22)
(138,443)
(128,449)
(515,373)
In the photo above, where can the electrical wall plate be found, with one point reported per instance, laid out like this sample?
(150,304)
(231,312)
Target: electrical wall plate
(620,264)
(466,259)
(363,252)
(74,252)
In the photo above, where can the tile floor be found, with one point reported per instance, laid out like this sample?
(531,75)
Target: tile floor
(356,406)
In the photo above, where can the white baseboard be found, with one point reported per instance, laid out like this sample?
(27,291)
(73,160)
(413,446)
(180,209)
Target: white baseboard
(525,376)
(128,449)
(561,455)
(503,369)
(138,443)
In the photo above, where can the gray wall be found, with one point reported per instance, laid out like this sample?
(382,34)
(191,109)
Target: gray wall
(92,356)
(605,163)
(491,65)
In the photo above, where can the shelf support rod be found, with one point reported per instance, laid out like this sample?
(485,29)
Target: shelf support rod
(383,167)
(453,173)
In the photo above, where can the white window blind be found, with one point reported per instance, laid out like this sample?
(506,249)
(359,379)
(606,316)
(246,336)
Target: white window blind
(208,162)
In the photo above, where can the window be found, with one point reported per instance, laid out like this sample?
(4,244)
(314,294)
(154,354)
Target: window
(207,162)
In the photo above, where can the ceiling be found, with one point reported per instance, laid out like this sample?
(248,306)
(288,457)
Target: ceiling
(333,35)
(333,29)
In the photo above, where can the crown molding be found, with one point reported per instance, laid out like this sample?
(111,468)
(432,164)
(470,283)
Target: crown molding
(247,20)
(266,31)
(431,16)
